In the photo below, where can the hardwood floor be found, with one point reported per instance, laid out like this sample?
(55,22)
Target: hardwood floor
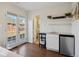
(33,50)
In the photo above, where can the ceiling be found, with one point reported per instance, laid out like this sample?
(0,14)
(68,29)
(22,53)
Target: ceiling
(30,6)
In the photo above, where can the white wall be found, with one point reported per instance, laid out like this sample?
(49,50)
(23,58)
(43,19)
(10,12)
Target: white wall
(59,25)
(10,8)
(43,13)
(75,31)
(30,31)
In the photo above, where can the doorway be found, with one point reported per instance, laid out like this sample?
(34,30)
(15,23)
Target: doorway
(36,29)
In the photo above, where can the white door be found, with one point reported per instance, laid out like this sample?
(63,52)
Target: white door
(10,31)
(22,30)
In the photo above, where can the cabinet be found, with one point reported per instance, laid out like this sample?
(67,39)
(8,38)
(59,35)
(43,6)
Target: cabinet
(52,42)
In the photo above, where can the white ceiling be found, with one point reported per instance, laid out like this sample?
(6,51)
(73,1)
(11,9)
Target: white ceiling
(30,6)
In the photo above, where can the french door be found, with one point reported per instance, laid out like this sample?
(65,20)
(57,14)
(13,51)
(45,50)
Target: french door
(11,30)
(22,29)
(16,30)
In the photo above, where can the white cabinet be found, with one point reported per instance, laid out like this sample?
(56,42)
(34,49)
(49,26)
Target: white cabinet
(52,42)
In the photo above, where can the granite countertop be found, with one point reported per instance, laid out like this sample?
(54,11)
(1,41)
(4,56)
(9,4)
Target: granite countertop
(6,53)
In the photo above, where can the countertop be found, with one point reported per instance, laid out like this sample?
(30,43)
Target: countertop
(6,53)
(57,33)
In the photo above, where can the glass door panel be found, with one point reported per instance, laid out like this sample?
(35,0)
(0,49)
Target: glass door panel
(22,29)
(10,31)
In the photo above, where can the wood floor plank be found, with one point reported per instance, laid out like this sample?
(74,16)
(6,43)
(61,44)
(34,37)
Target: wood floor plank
(33,50)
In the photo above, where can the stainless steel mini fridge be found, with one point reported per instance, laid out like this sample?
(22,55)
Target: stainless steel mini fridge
(67,45)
